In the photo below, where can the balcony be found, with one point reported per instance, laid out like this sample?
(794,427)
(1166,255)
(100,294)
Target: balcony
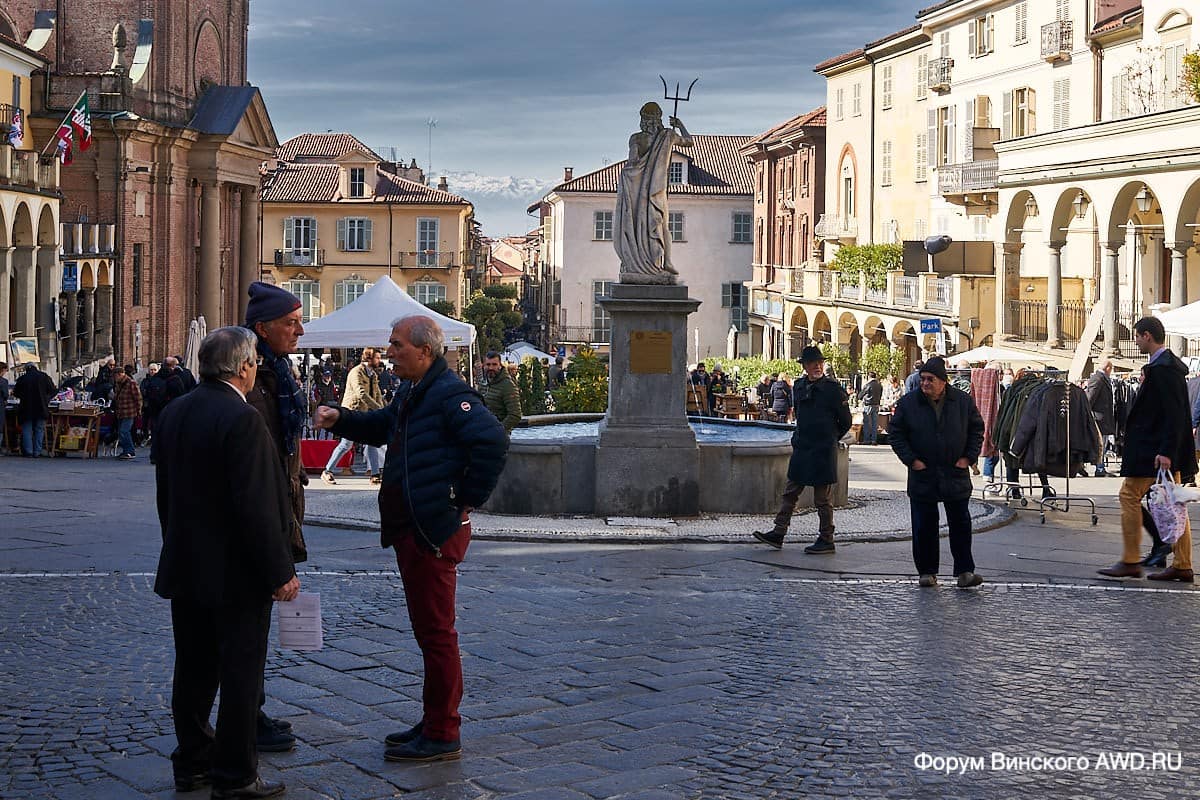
(83,239)
(6,117)
(968,183)
(1058,39)
(431,259)
(905,295)
(300,257)
(939,74)
(907,291)
(831,228)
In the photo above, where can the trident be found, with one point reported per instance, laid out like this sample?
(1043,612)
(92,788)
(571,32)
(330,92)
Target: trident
(676,98)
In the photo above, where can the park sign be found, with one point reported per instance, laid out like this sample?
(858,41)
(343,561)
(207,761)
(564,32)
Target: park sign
(931,325)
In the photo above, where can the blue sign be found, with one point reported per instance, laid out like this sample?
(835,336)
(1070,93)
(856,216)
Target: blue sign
(931,325)
(70,278)
(562,351)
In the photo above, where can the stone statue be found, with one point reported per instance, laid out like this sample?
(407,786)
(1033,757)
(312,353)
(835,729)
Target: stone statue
(119,42)
(640,234)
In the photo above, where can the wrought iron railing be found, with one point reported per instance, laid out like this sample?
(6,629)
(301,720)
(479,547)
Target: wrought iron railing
(939,74)
(970,176)
(1058,39)
(299,257)
(431,259)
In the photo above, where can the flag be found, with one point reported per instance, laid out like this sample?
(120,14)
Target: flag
(16,134)
(80,119)
(65,154)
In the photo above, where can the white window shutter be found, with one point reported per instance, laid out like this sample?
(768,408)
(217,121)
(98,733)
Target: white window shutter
(367,234)
(313,222)
(1032,112)
(991,32)
(971,41)
(341,233)
(1006,121)
(339,294)
(1022,31)
(950,135)
(922,75)
(289,224)
(968,132)
(931,144)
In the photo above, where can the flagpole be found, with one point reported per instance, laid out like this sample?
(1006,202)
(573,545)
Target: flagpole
(65,119)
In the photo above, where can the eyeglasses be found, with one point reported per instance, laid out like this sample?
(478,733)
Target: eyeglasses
(928,379)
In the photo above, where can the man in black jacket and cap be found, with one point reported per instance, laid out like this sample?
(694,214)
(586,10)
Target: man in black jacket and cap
(937,432)
(1158,435)
(822,418)
(1099,393)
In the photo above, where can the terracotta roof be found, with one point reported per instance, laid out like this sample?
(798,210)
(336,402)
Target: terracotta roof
(321,147)
(814,118)
(13,43)
(318,183)
(498,267)
(1118,21)
(890,36)
(937,7)
(716,168)
(833,62)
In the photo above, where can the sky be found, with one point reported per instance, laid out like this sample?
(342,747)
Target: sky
(520,89)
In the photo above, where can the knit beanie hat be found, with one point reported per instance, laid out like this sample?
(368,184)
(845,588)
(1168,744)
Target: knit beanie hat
(935,366)
(268,302)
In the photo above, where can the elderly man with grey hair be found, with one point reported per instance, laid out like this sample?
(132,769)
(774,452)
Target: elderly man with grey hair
(444,457)
(1099,393)
(222,504)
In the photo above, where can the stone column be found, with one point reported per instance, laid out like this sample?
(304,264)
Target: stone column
(6,257)
(1178,289)
(1109,292)
(71,332)
(24,266)
(1054,294)
(1008,280)
(209,279)
(104,321)
(88,346)
(249,267)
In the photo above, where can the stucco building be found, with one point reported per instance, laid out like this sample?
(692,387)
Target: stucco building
(337,216)
(711,224)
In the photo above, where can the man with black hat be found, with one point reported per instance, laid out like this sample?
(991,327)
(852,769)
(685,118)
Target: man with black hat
(937,432)
(822,418)
(275,317)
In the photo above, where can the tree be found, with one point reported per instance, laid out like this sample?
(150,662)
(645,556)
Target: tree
(883,360)
(873,261)
(586,389)
(531,382)
(839,358)
(443,307)
(491,312)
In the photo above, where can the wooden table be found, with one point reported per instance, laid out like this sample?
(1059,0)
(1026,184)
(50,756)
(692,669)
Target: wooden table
(61,423)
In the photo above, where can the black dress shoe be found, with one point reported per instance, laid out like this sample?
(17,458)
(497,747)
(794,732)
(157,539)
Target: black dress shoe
(422,749)
(404,737)
(192,781)
(259,788)
(273,723)
(1121,569)
(274,741)
(1157,557)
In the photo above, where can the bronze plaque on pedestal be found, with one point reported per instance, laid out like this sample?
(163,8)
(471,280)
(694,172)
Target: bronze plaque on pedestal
(650,352)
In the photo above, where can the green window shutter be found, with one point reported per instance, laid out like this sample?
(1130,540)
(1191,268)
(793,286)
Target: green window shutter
(341,233)
(367,234)
(289,224)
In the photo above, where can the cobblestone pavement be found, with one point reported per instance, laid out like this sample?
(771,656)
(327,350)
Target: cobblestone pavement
(598,670)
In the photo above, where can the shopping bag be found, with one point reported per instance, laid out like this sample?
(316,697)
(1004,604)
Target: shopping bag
(1169,516)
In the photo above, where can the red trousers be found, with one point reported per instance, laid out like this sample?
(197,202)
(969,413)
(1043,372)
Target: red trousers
(429,584)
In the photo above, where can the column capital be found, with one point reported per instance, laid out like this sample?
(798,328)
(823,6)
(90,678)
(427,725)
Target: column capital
(1178,247)
(1012,248)
(1114,247)
(1057,245)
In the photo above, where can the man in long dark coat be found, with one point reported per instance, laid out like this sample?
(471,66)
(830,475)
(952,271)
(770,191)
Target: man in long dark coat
(822,418)
(1099,393)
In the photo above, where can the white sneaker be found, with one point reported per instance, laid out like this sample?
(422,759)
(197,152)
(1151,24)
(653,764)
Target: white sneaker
(327,476)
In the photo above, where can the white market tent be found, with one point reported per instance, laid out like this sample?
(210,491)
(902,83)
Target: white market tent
(987,353)
(519,351)
(367,322)
(1183,321)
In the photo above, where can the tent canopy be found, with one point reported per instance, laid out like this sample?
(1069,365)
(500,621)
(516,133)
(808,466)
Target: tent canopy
(986,353)
(518,351)
(367,321)
(1183,321)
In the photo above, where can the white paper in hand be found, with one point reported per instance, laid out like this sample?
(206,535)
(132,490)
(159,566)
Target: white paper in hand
(300,622)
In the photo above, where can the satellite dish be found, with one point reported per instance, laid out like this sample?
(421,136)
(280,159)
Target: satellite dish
(937,244)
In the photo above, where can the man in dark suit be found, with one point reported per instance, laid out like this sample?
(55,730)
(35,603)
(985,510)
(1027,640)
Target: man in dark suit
(223,507)
(1158,435)
(1100,397)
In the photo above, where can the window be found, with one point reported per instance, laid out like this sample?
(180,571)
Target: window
(857,100)
(675,172)
(309,293)
(805,166)
(885,160)
(1173,88)
(427,242)
(601,319)
(1021,30)
(347,291)
(299,233)
(922,78)
(1020,114)
(137,274)
(941,136)
(758,243)
(759,171)
(736,298)
(1062,11)
(981,228)
(1062,104)
(919,229)
(426,292)
(1120,96)
(358,182)
(675,225)
(922,158)
(980,35)
(885,86)
(983,111)
(743,226)
(839,104)
(944,44)
(847,194)
(354,234)
(603,226)
(16,100)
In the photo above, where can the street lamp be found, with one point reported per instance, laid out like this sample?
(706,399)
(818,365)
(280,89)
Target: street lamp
(1080,205)
(1143,199)
(1031,209)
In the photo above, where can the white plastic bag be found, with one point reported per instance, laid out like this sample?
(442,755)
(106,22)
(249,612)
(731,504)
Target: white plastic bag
(1169,515)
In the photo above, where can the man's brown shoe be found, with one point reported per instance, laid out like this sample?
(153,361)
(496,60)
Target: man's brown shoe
(1122,570)
(1173,574)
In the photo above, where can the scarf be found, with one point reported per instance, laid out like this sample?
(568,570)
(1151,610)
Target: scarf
(292,407)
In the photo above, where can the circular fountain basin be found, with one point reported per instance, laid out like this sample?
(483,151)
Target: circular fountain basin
(551,467)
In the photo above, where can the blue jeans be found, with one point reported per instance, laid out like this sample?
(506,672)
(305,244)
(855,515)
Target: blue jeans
(870,424)
(989,466)
(373,455)
(125,435)
(33,435)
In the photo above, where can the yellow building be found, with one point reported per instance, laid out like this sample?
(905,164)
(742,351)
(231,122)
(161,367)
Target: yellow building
(337,216)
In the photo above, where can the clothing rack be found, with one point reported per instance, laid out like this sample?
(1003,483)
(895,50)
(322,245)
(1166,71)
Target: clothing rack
(1063,502)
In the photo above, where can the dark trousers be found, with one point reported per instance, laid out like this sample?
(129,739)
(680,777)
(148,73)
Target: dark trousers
(223,648)
(822,499)
(925,535)
(870,424)
(429,585)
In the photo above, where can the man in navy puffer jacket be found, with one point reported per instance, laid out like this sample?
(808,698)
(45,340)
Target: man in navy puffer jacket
(445,453)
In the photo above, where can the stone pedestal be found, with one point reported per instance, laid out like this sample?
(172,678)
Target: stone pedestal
(647,460)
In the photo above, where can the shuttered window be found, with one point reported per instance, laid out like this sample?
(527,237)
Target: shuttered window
(885,85)
(1021,28)
(922,80)
(354,234)
(885,159)
(1062,104)
(921,165)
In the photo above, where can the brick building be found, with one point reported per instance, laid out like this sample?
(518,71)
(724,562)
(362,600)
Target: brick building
(175,165)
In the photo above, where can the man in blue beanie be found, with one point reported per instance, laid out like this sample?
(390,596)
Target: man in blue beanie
(275,317)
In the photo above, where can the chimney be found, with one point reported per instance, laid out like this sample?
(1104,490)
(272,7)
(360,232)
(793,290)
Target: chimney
(443,186)
(568,173)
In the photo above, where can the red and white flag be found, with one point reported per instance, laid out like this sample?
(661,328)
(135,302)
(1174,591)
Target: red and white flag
(16,134)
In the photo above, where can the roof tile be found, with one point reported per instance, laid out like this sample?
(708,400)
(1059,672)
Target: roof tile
(809,119)
(716,169)
(318,183)
(321,147)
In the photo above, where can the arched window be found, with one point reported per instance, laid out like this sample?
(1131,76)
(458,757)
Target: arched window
(847,209)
